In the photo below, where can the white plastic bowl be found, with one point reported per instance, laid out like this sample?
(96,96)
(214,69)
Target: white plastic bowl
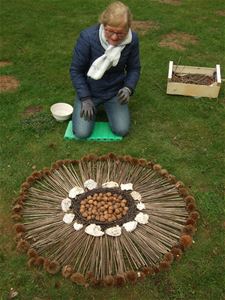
(61,111)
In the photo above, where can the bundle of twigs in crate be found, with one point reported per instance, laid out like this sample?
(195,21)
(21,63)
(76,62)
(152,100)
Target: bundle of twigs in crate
(200,79)
(104,220)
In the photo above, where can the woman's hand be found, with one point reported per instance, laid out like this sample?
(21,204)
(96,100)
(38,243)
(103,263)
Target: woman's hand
(124,95)
(88,109)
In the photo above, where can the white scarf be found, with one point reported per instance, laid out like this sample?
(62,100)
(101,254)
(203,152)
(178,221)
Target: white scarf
(110,57)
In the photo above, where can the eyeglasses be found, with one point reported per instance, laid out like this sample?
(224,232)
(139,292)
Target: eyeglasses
(120,35)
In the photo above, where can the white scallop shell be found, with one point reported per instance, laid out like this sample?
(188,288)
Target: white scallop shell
(77,226)
(90,184)
(135,195)
(68,218)
(142,218)
(110,184)
(94,230)
(130,226)
(126,186)
(114,231)
(140,206)
(65,204)
(75,191)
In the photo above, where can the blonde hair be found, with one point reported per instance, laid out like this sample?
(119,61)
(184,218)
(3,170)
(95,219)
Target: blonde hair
(116,14)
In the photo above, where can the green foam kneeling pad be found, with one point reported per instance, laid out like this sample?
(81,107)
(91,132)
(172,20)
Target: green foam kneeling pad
(101,132)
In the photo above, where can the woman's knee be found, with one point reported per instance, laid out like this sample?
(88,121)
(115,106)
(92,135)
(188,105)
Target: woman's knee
(121,131)
(81,133)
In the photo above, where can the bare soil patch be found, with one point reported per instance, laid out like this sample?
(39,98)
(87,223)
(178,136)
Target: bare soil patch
(5,224)
(31,110)
(172,2)
(5,64)
(6,232)
(8,83)
(178,40)
(220,13)
(142,27)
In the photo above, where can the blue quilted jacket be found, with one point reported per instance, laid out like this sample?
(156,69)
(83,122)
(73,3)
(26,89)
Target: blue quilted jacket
(125,73)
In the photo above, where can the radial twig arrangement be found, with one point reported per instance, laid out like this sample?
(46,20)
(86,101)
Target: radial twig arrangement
(104,220)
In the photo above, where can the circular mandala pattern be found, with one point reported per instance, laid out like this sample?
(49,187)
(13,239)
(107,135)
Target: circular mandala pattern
(104,220)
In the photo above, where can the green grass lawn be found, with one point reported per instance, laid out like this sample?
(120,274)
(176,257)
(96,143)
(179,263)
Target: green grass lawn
(185,135)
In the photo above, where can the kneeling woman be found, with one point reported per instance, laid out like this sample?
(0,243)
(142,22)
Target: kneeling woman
(105,70)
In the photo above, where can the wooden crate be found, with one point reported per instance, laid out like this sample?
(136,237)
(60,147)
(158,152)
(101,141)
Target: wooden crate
(195,90)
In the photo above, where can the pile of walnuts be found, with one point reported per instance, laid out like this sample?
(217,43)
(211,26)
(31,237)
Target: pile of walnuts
(104,207)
